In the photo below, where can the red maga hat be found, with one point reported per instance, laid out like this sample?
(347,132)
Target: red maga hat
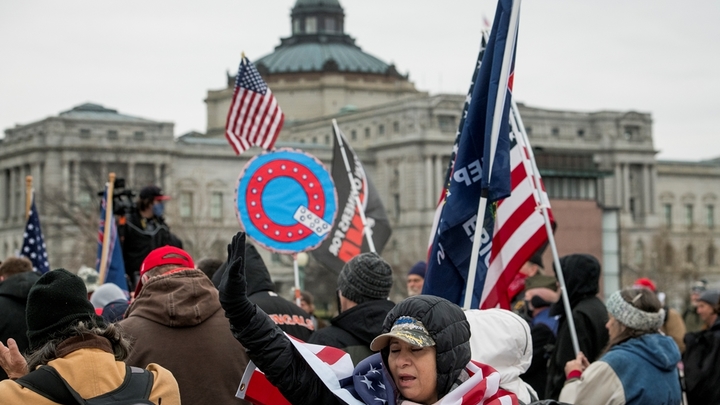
(162,256)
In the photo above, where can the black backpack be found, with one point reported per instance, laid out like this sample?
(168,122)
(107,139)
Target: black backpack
(134,390)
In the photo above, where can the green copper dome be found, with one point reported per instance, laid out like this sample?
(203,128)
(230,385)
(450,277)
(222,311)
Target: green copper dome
(319,44)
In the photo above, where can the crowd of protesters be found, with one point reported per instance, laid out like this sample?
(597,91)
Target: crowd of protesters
(189,333)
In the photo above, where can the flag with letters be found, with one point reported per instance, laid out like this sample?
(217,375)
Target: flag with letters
(484,140)
(254,118)
(33,246)
(369,382)
(115,266)
(347,236)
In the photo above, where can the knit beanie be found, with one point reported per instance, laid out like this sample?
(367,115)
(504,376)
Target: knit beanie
(418,269)
(106,294)
(365,277)
(711,297)
(57,301)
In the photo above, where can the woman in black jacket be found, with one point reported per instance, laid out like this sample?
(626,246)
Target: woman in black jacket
(424,350)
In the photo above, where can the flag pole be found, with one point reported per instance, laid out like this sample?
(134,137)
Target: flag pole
(366,231)
(28,196)
(107,228)
(519,128)
(494,135)
(296,270)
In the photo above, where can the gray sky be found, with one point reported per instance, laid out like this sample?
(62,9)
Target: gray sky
(157,59)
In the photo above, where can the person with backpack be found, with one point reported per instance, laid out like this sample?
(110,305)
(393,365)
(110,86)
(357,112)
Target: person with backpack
(74,356)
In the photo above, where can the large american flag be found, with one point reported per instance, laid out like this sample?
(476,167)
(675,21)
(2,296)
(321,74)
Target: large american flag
(255,118)
(370,383)
(115,265)
(33,244)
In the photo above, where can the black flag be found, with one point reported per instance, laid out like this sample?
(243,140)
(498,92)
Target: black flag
(346,239)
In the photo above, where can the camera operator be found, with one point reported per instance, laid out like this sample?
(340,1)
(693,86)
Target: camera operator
(145,230)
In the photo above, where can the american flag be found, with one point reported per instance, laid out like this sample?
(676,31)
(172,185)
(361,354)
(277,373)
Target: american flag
(255,118)
(33,244)
(487,119)
(369,382)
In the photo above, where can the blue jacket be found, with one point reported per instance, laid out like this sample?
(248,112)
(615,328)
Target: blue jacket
(647,369)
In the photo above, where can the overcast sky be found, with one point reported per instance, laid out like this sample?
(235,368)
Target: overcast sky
(157,59)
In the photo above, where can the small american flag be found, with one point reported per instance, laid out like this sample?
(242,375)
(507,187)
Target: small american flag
(33,244)
(255,118)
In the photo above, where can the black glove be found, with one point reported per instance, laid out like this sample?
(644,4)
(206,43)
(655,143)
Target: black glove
(233,287)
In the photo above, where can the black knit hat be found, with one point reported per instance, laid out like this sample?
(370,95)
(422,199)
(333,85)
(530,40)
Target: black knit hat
(365,277)
(57,301)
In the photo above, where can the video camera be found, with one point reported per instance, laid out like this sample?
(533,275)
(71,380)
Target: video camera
(123,202)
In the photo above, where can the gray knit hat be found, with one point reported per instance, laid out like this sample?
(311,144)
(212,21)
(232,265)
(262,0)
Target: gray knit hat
(365,277)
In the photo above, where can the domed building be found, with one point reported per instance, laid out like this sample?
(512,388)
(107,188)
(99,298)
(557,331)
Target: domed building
(318,70)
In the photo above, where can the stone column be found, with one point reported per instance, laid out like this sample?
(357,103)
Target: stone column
(12,190)
(653,188)
(626,187)
(618,185)
(429,186)
(130,180)
(647,190)
(75,180)
(4,193)
(439,179)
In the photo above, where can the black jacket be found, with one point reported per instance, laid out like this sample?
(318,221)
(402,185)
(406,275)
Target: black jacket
(261,291)
(285,368)
(354,329)
(140,236)
(701,360)
(13,298)
(582,276)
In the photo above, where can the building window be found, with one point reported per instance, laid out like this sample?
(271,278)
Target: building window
(528,131)
(632,132)
(314,139)
(689,215)
(447,123)
(216,205)
(556,131)
(396,127)
(327,139)
(711,255)
(275,257)
(669,255)
(639,253)
(367,132)
(710,216)
(296,26)
(381,129)
(112,134)
(690,254)
(353,135)
(84,199)
(581,132)
(85,133)
(139,135)
(310,25)
(330,25)
(185,202)
(668,215)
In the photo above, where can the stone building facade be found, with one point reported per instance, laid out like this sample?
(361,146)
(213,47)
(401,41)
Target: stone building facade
(611,196)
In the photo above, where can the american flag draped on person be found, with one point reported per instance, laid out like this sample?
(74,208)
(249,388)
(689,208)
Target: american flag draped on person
(33,243)
(255,118)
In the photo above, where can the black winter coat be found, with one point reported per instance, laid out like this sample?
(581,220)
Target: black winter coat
(582,276)
(701,360)
(354,329)
(13,298)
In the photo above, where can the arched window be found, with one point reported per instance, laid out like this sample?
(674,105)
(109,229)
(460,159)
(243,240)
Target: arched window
(711,255)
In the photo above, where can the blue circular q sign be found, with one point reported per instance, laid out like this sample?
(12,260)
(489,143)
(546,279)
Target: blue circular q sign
(286,201)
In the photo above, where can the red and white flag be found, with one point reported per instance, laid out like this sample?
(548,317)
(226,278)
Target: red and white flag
(519,224)
(255,118)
